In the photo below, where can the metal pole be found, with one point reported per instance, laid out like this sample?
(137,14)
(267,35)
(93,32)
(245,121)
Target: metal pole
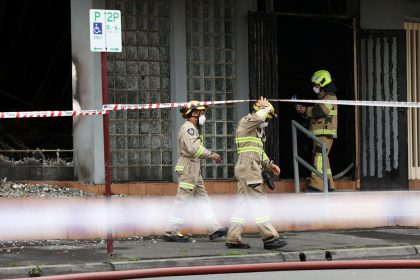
(324,168)
(109,240)
(295,162)
(357,122)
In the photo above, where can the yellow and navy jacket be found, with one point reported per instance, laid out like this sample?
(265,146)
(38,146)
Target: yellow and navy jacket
(323,117)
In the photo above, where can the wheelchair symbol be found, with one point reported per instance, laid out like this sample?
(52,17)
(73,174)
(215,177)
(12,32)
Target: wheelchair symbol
(97,28)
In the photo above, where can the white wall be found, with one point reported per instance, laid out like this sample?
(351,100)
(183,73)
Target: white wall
(87,131)
(242,8)
(178,71)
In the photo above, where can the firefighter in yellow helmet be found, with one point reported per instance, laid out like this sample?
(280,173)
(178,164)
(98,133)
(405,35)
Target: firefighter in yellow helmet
(323,124)
(191,186)
(251,196)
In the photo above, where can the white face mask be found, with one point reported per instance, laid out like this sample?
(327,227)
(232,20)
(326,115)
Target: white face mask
(316,89)
(264,124)
(201,119)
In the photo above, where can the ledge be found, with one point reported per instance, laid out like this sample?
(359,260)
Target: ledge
(213,187)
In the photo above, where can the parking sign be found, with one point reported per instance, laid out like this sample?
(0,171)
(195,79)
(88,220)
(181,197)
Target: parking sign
(105,31)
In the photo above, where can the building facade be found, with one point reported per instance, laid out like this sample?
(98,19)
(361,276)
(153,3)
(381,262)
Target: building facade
(173,51)
(180,50)
(222,50)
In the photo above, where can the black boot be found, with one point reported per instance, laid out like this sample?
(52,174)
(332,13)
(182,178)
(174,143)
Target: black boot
(219,233)
(275,244)
(175,237)
(239,245)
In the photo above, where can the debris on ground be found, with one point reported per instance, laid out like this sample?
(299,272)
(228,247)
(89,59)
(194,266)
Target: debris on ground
(10,189)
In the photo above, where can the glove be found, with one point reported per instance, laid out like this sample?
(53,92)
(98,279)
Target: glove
(268,178)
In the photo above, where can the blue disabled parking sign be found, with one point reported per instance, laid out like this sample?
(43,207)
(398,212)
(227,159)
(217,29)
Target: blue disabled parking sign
(97,28)
(105,30)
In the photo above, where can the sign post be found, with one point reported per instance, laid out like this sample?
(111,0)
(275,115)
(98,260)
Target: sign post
(105,36)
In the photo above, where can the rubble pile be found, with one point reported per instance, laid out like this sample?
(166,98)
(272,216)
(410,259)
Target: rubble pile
(13,190)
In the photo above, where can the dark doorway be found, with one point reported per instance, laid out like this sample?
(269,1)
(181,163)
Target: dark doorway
(305,45)
(35,72)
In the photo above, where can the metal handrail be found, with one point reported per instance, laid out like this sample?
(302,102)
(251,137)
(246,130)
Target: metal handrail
(297,159)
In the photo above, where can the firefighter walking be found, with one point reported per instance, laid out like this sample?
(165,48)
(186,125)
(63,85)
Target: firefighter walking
(323,124)
(251,196)
(191,187)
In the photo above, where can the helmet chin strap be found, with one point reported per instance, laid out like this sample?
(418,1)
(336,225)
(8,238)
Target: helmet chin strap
(196,124)
(191,116)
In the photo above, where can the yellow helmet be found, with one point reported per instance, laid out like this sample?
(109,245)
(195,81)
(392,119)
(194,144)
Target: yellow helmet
(190,107)
(270,115)
(321,77)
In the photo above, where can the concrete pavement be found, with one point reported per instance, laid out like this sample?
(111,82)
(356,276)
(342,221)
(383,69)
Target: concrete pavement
(54,257)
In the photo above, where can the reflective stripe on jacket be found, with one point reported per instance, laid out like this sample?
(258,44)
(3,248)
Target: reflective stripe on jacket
(252,158)
(323,118)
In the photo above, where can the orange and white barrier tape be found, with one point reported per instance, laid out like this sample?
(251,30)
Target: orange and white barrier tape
(118,107)
(396,104)
(49,114)
(122,107)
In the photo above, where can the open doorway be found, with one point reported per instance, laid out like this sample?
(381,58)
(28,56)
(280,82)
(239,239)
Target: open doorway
(35,71)
(35,75)
(307,44)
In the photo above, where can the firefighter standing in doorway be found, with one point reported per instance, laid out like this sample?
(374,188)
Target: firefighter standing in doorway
(251,196)
(323,124)
(191,186)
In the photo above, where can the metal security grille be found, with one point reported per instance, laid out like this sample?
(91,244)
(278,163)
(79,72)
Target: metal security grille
(263,69)
(141,140)
(383,130)
(413,95)
(211,75)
